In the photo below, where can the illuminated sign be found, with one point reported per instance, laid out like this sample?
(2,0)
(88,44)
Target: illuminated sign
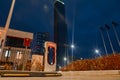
(27,42)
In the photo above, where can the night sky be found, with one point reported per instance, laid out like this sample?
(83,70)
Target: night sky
(83,17)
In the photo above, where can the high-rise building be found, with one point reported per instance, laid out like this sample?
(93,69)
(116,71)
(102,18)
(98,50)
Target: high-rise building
(60,31)
(38,50)
(37,45)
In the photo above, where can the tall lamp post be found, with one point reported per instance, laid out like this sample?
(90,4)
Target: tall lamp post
(65,60)
(114,24)
(72,47)
(3,35)
(107,28)
(103,39)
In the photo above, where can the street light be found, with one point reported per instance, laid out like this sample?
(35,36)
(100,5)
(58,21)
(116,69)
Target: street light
(65,59)
(97,51)
(72,46)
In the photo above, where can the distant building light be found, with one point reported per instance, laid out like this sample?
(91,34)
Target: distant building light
(81,58)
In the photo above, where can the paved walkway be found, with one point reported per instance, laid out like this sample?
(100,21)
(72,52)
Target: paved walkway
(75,75)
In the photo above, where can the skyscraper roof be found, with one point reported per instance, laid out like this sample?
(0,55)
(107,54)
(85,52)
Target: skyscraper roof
(60,1)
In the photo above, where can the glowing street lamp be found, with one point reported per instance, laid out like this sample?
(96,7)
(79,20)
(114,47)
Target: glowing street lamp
(65,59)
(97,52)
(72,46)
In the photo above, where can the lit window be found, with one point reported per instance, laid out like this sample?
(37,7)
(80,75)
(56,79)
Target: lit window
(7,53)
(19,55)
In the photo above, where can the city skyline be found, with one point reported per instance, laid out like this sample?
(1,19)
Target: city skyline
(85,16)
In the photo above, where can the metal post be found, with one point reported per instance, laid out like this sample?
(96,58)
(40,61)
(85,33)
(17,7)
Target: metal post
(67,56)
(116,35)
(7,26)
(25,58)
(110,42)
(104,42)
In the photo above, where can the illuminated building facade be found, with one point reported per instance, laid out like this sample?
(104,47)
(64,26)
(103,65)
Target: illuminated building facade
(14,50)
(38,43)
(60,31)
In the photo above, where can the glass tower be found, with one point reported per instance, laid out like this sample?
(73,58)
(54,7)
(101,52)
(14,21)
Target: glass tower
(60,32)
